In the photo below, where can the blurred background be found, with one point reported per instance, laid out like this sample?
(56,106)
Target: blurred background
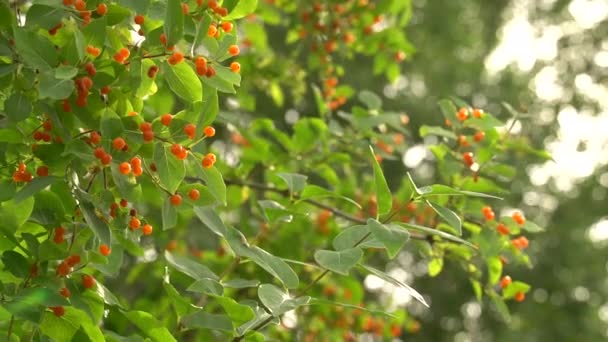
(548,58)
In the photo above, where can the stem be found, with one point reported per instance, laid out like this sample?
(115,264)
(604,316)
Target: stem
(10,328)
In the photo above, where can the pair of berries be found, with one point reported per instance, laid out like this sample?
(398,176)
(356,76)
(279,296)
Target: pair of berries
(175,58)
(104,157)
(134,166)
(208,161)
(22,175)
(58,237)
(520,242)
(93,51)
(488,213)
(146,130)
(83,86)
(64,268)
(122,55)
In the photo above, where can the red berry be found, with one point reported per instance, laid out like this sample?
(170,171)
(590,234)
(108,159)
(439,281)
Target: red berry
(207,162)
(73,260)
(65,292)
(124,168)
(468,159)
(152,71)
(462,114)
(185,8)
(104,249)
(194,194)
(176,199)
(80,5)
(123,203)
(502,229)
(479,136)
(147,230)
(42,171)
(505,281)
(478,113)
(175,58)
(190,130)
(139,19)
(58,310)
(166,119)
(519,297)
(88,281)
(145,126)
(148,136)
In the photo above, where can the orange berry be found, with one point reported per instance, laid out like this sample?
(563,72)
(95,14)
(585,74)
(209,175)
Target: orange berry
(104,249)
(212,30)
(400,56)
(166,119)
(119,143)
(211,156)
(194,194)
(42,171)
(119,58)
(233,50)
(105,90)
(147,230)
(209,131)
(175,58)
(124,203)
(66,106)
(448,122)
(190,130)
(68,2)
(102,9)
(519,297)
(135,161)
(210,71)
(479,136)
(505,281)
(176,199)
(462,114)
(462,141)
(124,168)
(235,67)
(145,126)
(73,260)
(395,330)
(489,215)
(137,171)
(65,292)
(58,310)
(63,269)
(134,223)
(200,61)
(207,162)
(502,229)
(99,152)
(80,5)
(201,70)
(227,26)
(88,281)
(477,113)
(176,149)
(93,51)
(519,218)
(139,19)
(185,8)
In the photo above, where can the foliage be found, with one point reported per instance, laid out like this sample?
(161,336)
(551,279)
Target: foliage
(124,220)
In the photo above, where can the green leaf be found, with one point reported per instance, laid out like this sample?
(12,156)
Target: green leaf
(18,106)
(26,304)
(313,191)
(215,182)
(438,131)
(54,88)
(532,227)
(383,193)
(275,212)
(501,307)
(435,266)
(242,9)
(10,136)
(170,170)
(211,219)
(513,288)
(340,261)
(208,286)
(111,125)
(7,187)
(295,182)
(13,215)
(277,301)
(238,313)
(168,214)
(182,79)
(319,301)
(190,267)
(128,187)
(180,304)
(48,208)
(371,100)
(203,320)
(149,325)
(392,237)
(444,190)
(241,283)
(395,282)
(174,22)
(37,51)
(449,216)
(37,184)
(209,108)
(275,266)
(308,132)
(494,270)
(352,235)
(74,325)
(66,72)
(44,16)
(16,264)
(100,228)
(439,233)
(448,110)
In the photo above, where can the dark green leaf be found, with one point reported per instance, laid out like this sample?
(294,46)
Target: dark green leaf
(16,264)
(182,79)
(54,88)
(13,215)
(214,181)
(36,50)
(100,228)
(10,136)
(18,106)
(111,125)
(44,16)
(203,320)
(340,261)
(37,184)
(174,22)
